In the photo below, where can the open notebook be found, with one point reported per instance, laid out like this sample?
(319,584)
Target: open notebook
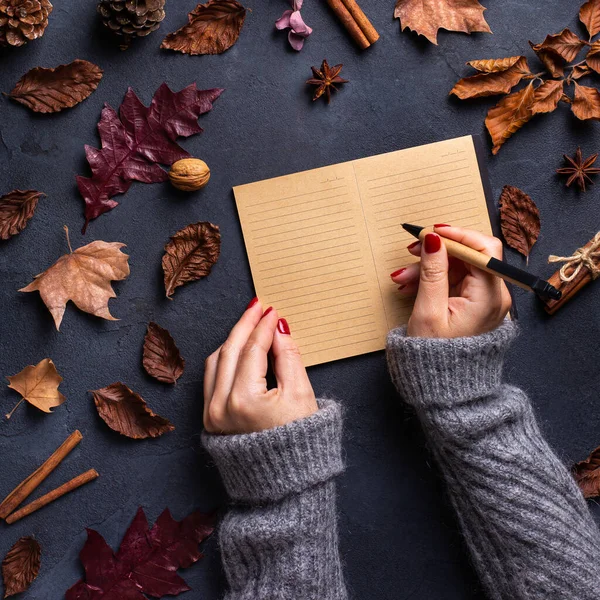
(322,243)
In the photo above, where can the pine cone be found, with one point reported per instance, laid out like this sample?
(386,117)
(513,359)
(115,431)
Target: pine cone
(131,18)
(23,20)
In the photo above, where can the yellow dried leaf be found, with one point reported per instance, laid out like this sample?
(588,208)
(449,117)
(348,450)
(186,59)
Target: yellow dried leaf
(586,102)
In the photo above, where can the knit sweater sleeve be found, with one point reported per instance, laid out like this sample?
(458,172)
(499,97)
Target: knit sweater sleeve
(279,538)
(528,529)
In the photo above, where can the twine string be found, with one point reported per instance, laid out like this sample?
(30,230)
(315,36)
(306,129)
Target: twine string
(588,258)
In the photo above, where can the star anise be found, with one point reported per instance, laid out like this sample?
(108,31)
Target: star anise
(326,78)
(579,170)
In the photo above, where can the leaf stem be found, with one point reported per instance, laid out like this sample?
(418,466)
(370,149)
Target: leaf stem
(10,414)
(68,240)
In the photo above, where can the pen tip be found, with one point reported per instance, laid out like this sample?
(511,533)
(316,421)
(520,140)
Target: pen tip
(412,229)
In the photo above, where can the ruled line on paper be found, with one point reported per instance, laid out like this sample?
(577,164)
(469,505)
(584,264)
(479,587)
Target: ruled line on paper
(404,207)
(316,230)
(328,214)
(414,170)
(321,322)
(336,346)
(298,212)
(358,297)
(321,252)
(304,277)
(396,223)
(316,260)
(337,328)
(421,194)
(366,329)
(344,235)
(377,187)
(304,203)
(280,299)
(416,187)
(305,252)
(327,281)
(297,195)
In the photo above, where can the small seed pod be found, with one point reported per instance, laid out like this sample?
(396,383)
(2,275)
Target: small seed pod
(189,174)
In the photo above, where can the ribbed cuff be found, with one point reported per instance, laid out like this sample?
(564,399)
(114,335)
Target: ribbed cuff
(269,465)
(447,370)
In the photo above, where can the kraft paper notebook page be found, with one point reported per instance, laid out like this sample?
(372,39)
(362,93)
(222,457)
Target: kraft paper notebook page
(322,243)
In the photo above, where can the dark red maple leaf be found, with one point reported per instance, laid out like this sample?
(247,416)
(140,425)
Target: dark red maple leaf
(137,139)
(146,562)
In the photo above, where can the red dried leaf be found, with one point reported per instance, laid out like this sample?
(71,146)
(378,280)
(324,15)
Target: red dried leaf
(162,359)
(519,219)
(586,102)
(21,566)
(589,15)
(133,144)
(147,561)
(16,208)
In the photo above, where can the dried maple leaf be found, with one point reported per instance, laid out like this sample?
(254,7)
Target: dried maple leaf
(426,17)
(147,561)
(83,276)
(162,359)
(127,413)
(21,566)
(213,28)
(38,385)
(16,208)
(133,144)
(587,475)
(589,15)
(519,219)
(325,79)
(52,90)
(190,254)
(586,102)
(579,170)
(547,96)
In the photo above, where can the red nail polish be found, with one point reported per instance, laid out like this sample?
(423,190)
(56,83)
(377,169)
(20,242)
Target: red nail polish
(411,246)
(267,311)
(252,302)
(283,327)
(441,225)
(396,273)
(432,243)
(401,287)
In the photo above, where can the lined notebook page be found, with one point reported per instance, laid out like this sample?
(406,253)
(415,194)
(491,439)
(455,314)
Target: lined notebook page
(322,243)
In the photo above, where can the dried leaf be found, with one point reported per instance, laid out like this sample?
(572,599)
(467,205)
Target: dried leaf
(589,15)
(509,115)
(52,90)
(147,561)
(519,219)
(580,71)
(426,17)
(547,96)
(593,58)
(83,276)
(493,80)
(162,359)
(38,385)
(586,102)
(21,566)
(190,255)
(213,28)
(16,208)
(566,44)
(126,412)
(553,61)
(587,475)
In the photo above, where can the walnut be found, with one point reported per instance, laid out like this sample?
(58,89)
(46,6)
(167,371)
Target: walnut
(189,174)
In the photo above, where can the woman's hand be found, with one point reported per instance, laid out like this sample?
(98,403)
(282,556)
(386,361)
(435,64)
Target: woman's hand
(453,299)
(236,398)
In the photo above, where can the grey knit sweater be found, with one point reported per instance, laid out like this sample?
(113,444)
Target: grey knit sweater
(529,532)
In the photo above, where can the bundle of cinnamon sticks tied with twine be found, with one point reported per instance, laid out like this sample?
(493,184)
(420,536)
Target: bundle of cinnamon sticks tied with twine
(355,21)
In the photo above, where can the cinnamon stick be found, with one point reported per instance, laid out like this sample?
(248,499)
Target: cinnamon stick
(53,495)
(361,20)
(343,14)
(24,489)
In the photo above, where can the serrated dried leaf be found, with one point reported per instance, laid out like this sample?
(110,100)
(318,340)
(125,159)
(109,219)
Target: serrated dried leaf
(427,17)
(213,28)
(52,90)
(493,65)
(587,475)
(493,81)
(592,59)
(547,96)
(519,219)
(127,413)
(586,102)
(566,44)
(553,61)
(21,566)
(589,15)
(162,359)
(190,254)
(16,208)
(509,115)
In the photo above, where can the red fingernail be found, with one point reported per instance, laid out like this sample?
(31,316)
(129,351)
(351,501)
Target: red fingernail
(396,273)
(252,302)
(441,225)
(432,243)
(267,311)
(411,246)
(283,327)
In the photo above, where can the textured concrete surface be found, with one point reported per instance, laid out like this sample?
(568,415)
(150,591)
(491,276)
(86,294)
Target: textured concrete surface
(399,538)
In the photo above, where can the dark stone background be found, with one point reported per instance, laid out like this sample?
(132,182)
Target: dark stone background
(398,535)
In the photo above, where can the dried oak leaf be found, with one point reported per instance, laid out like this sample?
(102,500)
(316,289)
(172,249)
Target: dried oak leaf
(162,359)
(21,566)
(127,413)
(134,141)
(147,560)
(83,276)
(38,385)
(190,254)
(586,102)
(587,475)
(519,219)
(589,15)
(52,90)
(426,17)
(16,208)
(213,28)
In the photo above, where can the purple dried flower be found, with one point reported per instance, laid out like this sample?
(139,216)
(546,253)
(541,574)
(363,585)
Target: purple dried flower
(292,19)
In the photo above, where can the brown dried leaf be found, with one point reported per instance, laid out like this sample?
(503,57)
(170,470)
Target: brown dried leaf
(493,80)
(191,254)
(21,566)
(587,475)
(52,90)
(16,208)
(126,412)
(589,15)
(509,115)
(566,44)
(553,61)
(213,28)
(547,96)
(580,71)
(162,359)
(519,219)
(84,277)
(593,57)
(586,102)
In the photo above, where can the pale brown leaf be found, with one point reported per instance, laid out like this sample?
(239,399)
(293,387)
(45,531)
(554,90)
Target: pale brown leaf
(126,412)
(593,57)
(162,359)
(84,277)
(554,62)
(21,566)
(493,81)
(190,255)
(589,15)
(587,475)
(426,17)
(493,65)
(586,102)
(519,219)
(16,208)
(213,28)
(547,96)
(566,44)
(509,115)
